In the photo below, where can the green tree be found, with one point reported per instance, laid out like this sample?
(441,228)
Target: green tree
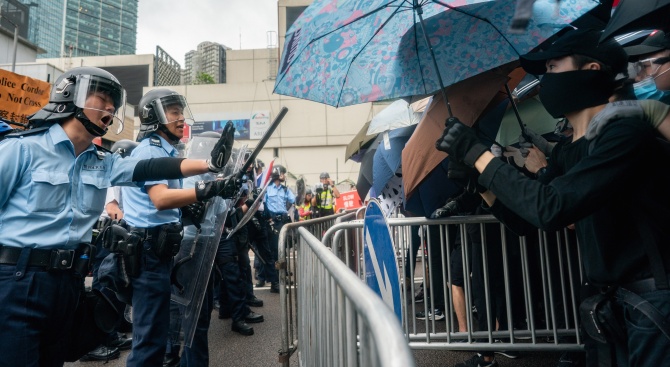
(204,78)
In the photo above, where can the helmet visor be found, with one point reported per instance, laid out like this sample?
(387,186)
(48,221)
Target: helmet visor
(173,108)
(104,99)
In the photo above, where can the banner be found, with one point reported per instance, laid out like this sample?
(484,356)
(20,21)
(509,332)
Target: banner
(21,96)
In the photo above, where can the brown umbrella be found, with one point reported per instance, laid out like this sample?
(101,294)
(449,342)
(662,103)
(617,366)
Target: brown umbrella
(469,100)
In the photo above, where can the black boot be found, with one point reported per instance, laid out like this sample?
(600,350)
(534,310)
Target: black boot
(255,302)
(101,353)
(253,318)
(274,288)
(242,328)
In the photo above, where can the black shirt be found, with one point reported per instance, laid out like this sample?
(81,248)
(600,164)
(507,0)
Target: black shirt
(611,193)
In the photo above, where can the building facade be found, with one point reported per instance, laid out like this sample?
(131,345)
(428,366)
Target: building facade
(209,58)
(83,27)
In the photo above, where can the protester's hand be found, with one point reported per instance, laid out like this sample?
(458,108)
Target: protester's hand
(460,142)
(538,140)
(535,160)
(613,111)
(223,149)
(524,146)
(449,209)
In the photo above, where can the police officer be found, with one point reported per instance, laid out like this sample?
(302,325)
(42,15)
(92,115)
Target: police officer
(113,211)
(277,200)
(326,193)
(53,183)
(153,213)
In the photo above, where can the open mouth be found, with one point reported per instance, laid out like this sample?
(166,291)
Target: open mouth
(107,120)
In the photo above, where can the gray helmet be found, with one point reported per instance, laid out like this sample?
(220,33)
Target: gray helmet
(324,175)
(308,191)
(153,109)
(277,171)
(124,147)
(70,94)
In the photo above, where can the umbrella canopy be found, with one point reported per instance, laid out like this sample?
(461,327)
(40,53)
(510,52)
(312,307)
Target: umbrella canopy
(388,155)
(432,192)
(361,141)
(346,52)
(533,115)
(364,182)
(633,15)
(469,99)
(398,114)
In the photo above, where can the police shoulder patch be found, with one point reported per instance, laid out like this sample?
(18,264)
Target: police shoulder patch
(19,134)
(155,141)
(101,152)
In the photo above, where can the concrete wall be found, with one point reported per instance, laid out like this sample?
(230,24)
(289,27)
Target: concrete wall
(250,66)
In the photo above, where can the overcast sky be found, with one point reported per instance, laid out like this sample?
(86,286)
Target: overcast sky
(178,26)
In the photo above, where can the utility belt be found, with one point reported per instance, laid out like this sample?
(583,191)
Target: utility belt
(277,217)
(51,259)
(165,239)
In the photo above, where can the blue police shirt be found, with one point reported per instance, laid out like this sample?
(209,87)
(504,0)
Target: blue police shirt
(276,198)
(50,198)
(139,210)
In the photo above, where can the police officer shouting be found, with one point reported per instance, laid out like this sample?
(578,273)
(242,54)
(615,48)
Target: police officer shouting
(277,199)
(54,182)
(153,213)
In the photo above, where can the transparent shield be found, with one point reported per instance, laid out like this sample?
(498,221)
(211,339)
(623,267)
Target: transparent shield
(103,100)
(250,212)
(200,147)
(236,161)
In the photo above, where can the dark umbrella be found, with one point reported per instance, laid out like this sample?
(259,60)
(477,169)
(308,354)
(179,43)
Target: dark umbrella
(389,155)
(632,15)
(364,182)
(432,192)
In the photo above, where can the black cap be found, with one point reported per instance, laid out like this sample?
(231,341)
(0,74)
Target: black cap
(657,41)
(583,42)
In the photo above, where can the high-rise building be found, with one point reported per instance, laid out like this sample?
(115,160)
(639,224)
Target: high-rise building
(83,27)
(208,60)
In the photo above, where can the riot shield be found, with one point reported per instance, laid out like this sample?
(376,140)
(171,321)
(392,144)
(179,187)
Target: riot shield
(250,212)
(194,262)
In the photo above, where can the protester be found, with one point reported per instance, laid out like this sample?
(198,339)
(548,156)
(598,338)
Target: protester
(608,189)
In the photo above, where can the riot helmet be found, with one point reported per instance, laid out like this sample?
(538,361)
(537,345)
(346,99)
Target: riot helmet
(160,107)
(324,175)
(89,89)
(201,145)
(124,147)
(277,171)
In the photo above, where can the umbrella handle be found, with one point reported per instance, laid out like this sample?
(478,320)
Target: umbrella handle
(516,112)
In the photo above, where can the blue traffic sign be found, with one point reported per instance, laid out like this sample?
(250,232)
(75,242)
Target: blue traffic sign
(381,265)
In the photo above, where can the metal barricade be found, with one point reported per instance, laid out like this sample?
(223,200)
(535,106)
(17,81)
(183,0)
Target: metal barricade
(528,287)
(342,322)
(287,268)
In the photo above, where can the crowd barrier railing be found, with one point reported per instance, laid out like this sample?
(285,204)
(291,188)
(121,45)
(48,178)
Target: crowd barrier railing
(528,286)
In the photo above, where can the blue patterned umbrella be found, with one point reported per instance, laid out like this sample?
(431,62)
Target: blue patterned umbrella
(344,52)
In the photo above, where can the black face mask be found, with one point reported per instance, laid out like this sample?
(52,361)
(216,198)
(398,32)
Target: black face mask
(572,91)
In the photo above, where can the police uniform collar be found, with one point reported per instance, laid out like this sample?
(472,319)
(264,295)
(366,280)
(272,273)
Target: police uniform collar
(19,134)
(155,141)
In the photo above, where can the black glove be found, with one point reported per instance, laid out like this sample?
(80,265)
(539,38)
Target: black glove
(460,142)
(464,176)
(223,148)
(193,214)
(226,189)
(449,209)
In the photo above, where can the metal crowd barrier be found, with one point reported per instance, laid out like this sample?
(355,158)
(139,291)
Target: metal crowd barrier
(327,315)
(540,274)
